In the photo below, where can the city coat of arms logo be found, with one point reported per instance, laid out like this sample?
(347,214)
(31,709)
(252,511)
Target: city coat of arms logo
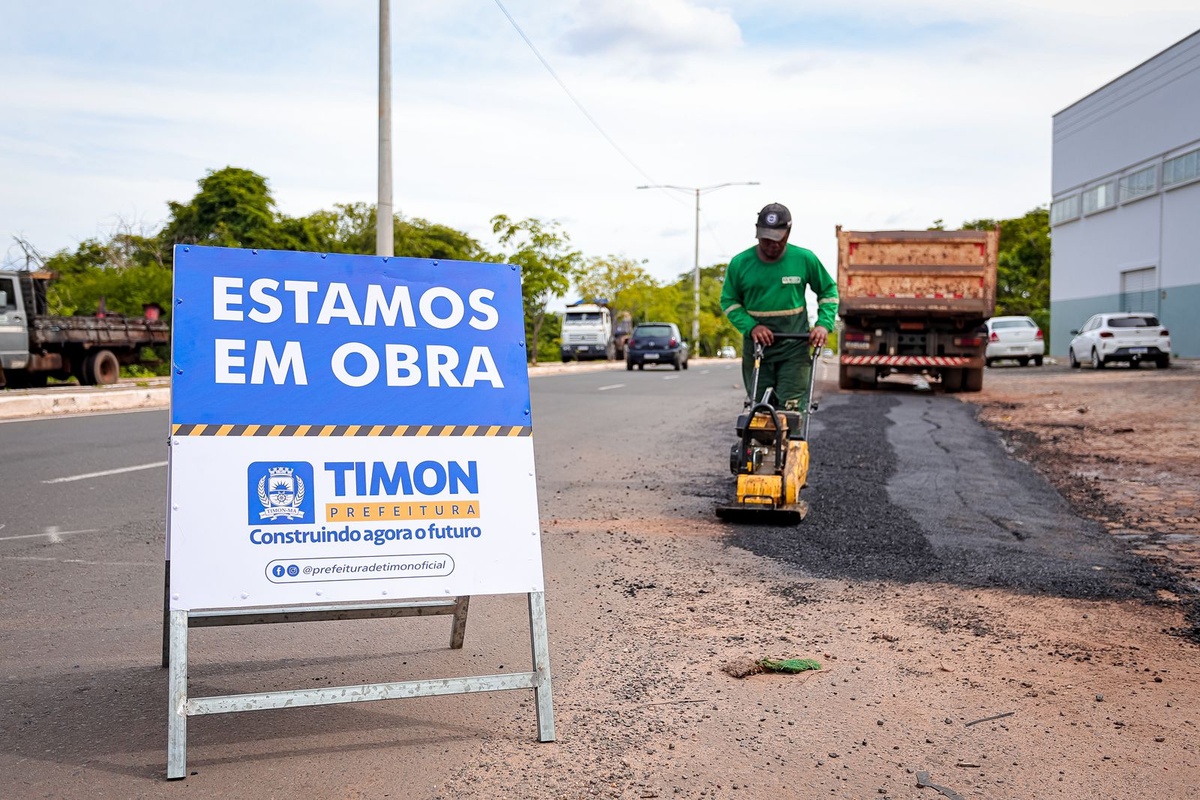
(279,492)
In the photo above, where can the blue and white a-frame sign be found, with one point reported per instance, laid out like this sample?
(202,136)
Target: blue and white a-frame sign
(348,433)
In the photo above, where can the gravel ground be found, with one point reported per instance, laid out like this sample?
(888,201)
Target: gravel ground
(1078,684)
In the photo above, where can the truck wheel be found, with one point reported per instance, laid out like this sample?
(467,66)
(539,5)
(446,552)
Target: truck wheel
(844,379)
(101,368)
(973,379)
(952,380)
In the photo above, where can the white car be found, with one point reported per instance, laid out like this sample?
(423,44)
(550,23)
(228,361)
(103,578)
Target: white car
(727,352)
(1017,338)
(1129,337)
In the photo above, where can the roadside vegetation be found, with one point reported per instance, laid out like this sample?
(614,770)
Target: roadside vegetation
(233,207)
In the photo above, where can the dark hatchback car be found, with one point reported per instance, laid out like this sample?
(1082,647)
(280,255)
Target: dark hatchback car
(656,343)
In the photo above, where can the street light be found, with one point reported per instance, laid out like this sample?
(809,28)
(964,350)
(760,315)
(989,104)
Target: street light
(697,191)
(384,231)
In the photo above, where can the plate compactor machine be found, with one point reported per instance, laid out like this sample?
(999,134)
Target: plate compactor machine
(769,460)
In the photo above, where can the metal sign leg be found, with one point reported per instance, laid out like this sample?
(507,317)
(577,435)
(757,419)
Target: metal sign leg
(166,624)
(177,697)
(540,641)
(458,628)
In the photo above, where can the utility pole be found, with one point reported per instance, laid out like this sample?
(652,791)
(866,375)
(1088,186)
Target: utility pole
(697,191)
(384,233)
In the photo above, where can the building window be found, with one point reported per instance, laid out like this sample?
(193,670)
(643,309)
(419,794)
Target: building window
(1139,184)
(1139,290)
(1181,168)
(1065,209)
(1099,198)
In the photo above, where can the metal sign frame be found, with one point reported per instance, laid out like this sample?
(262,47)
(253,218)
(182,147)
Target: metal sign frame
(490,418)
(181,706)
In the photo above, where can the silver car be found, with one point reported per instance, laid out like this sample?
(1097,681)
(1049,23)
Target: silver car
(1129,337)
(1017,338)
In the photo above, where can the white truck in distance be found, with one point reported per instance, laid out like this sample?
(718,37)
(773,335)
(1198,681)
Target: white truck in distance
(587,332)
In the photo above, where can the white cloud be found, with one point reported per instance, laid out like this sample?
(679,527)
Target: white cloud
(662,27)
(868,114)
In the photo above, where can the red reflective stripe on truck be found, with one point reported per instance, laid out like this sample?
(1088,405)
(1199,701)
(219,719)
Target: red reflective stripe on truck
(907,361)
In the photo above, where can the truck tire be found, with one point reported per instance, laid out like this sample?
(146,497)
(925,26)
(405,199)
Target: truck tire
(952,380)
(101,368)
(973,379)
(844,379)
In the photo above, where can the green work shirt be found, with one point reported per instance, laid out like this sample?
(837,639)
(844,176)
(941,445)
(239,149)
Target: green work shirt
(757,292)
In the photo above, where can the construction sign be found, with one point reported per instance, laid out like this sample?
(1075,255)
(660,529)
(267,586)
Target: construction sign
(348,428)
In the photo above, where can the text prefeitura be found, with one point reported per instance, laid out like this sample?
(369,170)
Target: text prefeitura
(398,365)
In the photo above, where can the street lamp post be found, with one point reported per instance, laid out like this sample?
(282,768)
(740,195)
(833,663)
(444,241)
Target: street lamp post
(384,232)
(697,191)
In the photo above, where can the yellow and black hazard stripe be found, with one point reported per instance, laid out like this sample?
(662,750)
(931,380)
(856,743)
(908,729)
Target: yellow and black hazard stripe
(350,430)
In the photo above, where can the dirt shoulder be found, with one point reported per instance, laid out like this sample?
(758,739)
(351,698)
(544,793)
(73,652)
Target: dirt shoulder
(1121,445)
(988,692)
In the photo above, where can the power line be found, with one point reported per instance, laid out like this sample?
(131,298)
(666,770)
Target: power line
(574,99)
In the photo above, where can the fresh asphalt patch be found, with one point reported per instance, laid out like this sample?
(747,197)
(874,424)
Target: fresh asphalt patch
(910,487)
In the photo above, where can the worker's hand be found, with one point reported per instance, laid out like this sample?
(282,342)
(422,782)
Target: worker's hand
(761,334)
(818,336)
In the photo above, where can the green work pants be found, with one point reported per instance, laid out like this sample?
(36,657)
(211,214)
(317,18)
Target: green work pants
(788,377)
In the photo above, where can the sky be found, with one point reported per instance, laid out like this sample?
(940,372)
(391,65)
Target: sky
(870,114)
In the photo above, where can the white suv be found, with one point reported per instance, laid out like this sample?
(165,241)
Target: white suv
(1129,337)
(1017,338)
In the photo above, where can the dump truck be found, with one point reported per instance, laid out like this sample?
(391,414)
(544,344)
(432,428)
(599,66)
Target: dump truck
(587,332)
(36,345)
(915,302)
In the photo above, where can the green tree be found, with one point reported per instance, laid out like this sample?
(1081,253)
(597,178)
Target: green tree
(549,338)
(715,327)
(350,228)
(1023,268)
(611,279)
(233,208)
(548,265)
(126,273)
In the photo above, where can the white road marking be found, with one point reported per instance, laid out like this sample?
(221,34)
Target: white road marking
(81,561)
(704,371)
(107,472)
(53,532)
(669,377)
(610,386)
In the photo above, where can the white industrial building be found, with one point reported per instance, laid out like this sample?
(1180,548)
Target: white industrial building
(1125,216)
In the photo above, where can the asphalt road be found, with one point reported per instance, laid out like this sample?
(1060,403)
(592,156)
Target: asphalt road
(905,487)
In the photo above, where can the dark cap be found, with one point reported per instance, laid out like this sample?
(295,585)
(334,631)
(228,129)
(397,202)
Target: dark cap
(774,222)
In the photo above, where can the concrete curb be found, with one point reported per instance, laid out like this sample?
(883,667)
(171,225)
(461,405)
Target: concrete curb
(83,401)
(143,395)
